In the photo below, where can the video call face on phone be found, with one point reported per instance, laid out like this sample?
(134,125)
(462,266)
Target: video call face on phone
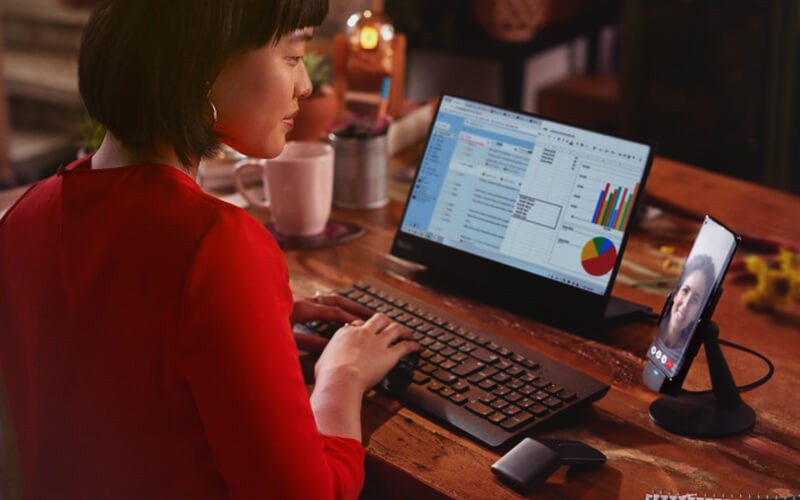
(688,305)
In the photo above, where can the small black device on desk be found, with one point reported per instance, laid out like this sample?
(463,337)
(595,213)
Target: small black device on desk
(531,462)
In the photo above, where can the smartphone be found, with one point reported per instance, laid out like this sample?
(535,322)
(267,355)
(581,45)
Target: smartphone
(689,307)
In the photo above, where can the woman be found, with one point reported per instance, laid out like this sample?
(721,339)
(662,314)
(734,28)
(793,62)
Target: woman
(146,338)
(687,300)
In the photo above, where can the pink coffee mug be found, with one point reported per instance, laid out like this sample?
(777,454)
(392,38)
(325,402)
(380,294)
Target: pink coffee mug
(298,187)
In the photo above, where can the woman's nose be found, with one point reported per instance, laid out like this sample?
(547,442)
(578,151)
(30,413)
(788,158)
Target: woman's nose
(303,86)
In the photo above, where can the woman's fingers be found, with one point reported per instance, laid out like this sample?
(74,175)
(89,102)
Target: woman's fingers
(345,304)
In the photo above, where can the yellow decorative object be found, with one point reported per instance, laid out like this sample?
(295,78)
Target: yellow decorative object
(776,284)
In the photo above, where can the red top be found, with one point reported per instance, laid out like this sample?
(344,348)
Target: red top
(146,346)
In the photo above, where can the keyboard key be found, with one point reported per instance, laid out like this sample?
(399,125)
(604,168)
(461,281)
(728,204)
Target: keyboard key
(538,410)
(419,378)
(552,402)
(514,371)
(459,357)
(447,351)
(467,348)
(503,365)
(436,346)
(426,354)
(460,386)
(447,365)
(436,359)
(512,397)
(486,398)
(517,420)
(446,392)
(487,384)
(459,398)
(504,351)
(567,396)
(482,354)
(414,322)
(479,408)
(445,337)
(467,367)
(529,377)
(501,391)
(501,378)
(456,342)
(525,403)
(424,327)
(511,410)
(496,418)
(539,396)
(444,376)
(499,404)
(514,383)
(428,368)
(435,332)
(553,389)
(435,387)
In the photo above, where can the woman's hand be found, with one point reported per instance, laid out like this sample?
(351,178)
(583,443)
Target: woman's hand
(325,308)
(364,352)
(356,358)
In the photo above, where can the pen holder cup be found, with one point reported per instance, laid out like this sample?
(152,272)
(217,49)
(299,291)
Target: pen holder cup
(360,172)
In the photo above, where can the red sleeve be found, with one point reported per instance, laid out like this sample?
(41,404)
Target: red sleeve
(236,351)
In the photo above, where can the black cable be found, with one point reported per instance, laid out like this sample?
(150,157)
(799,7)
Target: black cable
(751,385)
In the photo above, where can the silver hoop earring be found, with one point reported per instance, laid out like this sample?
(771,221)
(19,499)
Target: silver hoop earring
(213,110)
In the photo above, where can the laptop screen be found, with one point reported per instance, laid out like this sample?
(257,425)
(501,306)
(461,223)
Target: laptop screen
(536,195)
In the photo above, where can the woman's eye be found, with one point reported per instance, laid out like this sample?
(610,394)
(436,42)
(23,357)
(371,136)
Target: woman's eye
(296,59)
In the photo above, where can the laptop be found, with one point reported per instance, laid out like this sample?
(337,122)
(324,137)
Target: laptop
(527,212)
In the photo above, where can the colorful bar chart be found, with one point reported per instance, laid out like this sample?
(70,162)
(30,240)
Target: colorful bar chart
(613,209)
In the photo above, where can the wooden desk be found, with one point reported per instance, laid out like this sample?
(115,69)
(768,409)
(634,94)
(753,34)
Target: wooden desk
(410,456)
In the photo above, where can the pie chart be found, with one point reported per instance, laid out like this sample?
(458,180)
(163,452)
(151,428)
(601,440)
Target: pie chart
(598,256)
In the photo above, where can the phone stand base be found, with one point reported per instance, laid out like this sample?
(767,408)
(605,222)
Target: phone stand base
(698,415)
(708,415)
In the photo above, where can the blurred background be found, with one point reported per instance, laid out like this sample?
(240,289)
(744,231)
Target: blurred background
(712,83)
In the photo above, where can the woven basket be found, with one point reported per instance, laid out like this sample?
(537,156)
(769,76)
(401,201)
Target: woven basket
(513,21)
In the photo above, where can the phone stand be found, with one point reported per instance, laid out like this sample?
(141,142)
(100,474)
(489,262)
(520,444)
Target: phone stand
(720,413)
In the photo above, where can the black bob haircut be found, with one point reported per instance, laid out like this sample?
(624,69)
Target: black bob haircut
(145,66)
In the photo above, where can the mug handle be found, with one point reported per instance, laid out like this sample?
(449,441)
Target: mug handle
(248,164)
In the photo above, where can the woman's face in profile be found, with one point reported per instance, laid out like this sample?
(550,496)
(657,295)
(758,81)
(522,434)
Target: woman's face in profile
(257,92)
(687,301)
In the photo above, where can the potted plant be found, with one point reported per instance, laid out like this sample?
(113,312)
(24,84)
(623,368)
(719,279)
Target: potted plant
(318,110)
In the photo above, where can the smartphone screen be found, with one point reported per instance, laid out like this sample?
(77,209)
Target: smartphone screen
(689,303)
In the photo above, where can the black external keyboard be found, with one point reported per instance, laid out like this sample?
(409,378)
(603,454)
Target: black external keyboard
(485,386)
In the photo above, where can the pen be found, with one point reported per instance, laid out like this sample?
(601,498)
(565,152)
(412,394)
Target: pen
(384,103)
